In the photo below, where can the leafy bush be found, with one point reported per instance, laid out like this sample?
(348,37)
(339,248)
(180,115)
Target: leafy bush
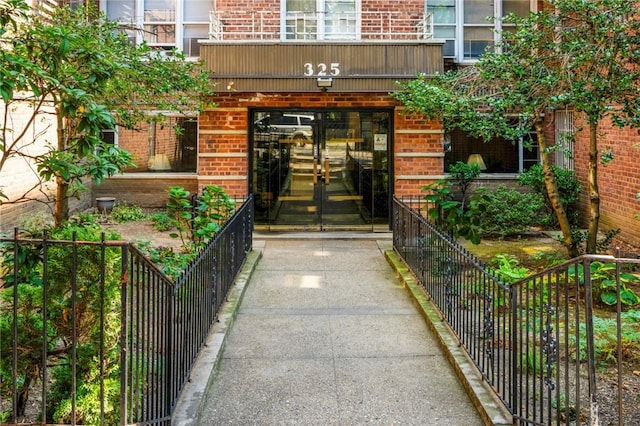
(604,285)
(568,188)
(161,221)
(198,218)
(123,212)
(509,212)
(451,214)
(91,328)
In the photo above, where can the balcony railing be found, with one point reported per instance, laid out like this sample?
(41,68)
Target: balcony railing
(269,25)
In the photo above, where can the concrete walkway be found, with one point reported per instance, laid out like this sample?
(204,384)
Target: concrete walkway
(326,334)
(323,331)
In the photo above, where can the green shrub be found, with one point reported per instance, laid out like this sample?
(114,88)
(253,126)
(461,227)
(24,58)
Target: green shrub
(123,212)
(90,326)
(508,212)
(161,221)
(198,218)
(568,189)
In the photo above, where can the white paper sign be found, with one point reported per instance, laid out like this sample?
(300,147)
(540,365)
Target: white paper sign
(380,142)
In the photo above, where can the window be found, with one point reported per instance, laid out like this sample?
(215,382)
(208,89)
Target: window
(109,136)
(165,24)
(467,27)
(564,139)
(320,19)
(498,155)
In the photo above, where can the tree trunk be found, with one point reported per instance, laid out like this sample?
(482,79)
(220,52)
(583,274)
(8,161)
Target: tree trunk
(61,212)
(594,193)
(553,193)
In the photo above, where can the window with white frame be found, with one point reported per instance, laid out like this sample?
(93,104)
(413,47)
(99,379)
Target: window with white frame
(320,19)
(467,26)
(564,139)
(165,24)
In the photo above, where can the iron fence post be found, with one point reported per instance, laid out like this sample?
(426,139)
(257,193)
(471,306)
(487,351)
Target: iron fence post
(124,288)
(591,364)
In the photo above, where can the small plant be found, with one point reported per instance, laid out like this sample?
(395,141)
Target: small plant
(161,221)
(198,219)
(604,285)
(451,214)
(508,268)
(462,176)
(605,340)
(123,213)
(170,262)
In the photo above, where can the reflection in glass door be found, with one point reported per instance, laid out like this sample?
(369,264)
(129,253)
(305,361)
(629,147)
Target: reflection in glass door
(321,170)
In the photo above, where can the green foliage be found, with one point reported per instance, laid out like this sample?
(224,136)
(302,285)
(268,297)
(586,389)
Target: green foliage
(509,212)
(198,219)
(462,176)
(161,221)
(93,78)
(602,244)
(568,188)
(123,212)
(530,74)
(452,215)
(170,262)
(605,339)
(604,286)
(508,268)
(91,328)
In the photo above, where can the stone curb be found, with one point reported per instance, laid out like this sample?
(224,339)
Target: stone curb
(491,410)
(189,404)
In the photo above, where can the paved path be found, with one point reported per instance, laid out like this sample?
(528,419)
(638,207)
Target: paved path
(326,335)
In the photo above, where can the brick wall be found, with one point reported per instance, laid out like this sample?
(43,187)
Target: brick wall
(618,181)
(223,136)
(145,190)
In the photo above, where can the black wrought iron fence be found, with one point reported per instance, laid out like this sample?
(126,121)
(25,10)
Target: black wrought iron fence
(94,333)
(550,345)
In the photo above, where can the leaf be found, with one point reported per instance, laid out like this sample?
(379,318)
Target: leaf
(628,297)
(609,297)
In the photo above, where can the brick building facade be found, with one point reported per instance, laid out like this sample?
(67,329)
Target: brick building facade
(336,62)
(618,180)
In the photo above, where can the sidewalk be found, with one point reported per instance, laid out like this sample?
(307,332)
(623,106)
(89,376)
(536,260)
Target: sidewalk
(326,334)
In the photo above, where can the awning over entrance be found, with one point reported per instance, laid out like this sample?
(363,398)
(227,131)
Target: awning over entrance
(310,67)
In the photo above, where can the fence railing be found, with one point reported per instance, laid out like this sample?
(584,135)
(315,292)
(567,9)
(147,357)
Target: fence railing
(548,346)
(94,333)
(366,25)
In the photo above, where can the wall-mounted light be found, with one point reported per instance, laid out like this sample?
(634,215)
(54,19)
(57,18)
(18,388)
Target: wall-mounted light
(324,82)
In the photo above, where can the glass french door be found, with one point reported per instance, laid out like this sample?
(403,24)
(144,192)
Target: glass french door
(323,170)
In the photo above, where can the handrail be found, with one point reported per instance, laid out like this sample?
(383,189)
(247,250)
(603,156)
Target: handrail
(366,25)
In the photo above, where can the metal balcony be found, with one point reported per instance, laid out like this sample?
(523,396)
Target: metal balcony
(343,26)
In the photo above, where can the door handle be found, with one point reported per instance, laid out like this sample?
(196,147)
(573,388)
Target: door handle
(327,176)
(315,171)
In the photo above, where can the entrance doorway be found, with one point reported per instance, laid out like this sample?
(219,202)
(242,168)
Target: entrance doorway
(321,170)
